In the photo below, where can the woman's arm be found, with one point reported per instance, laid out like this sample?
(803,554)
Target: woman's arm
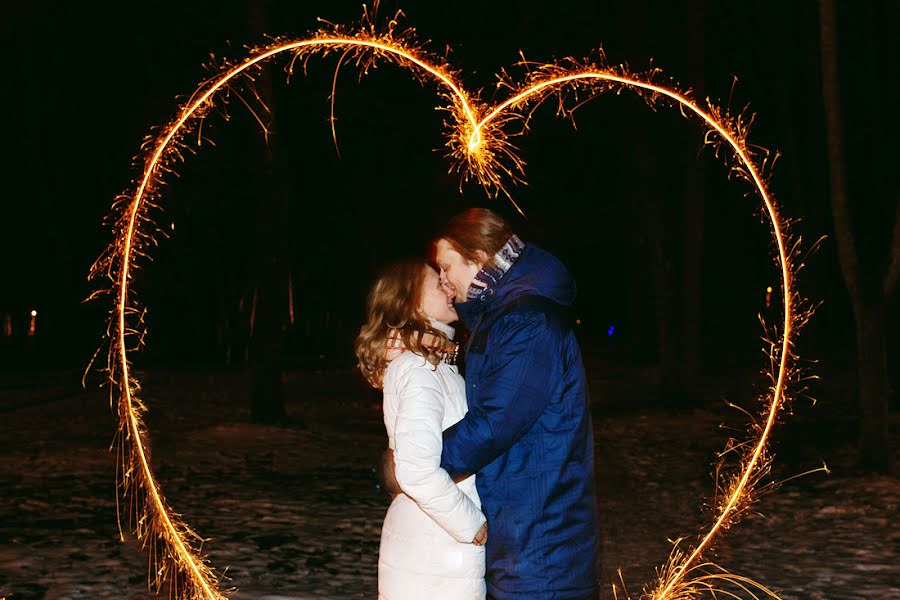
(417,456)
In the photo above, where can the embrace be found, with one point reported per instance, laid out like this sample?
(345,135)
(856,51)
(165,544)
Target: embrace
(495,472)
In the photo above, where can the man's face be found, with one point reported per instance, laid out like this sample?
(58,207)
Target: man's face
(456,272)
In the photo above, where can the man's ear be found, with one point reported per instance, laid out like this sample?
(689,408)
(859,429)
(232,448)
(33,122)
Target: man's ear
(482,257)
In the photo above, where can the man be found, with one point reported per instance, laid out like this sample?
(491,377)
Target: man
(528,434)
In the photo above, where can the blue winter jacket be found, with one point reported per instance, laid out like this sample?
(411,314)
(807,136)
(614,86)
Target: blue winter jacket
(528,434)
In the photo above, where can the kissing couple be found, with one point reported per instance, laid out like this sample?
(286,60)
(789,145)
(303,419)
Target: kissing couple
(492,475)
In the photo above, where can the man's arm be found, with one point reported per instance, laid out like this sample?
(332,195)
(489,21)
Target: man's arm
(387,475)
(515,385)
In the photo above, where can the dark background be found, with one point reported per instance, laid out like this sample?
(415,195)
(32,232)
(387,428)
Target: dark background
(84,85)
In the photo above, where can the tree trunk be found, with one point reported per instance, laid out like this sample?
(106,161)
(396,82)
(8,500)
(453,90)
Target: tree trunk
(266,343)
(694,197)
(868,299)
(665,289)
(662,240)
(691,279)
(670,380)
(874,390)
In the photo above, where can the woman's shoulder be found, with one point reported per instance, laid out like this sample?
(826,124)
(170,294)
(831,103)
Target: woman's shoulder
(412,369)
(406,362)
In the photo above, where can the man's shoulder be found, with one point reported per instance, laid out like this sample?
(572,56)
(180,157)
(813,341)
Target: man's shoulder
(535,309)
(532,310)
(533,303)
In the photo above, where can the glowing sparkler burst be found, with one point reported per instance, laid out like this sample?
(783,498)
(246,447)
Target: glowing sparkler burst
(479,143)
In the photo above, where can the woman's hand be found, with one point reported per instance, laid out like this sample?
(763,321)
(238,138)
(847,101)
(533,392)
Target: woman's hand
(481,536)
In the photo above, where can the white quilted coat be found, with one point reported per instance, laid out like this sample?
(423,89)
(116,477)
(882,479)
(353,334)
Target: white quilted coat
(426,551)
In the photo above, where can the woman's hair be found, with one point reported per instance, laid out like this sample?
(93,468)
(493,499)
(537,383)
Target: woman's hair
(476,229)
(393,312)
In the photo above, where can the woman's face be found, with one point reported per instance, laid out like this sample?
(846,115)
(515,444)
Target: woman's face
(436,303)
(457,273)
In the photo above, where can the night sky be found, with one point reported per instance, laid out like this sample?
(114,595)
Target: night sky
(83,85)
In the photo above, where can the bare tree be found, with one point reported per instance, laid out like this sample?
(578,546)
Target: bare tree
(869,290)
(268,312)
(676,251)
(694,198)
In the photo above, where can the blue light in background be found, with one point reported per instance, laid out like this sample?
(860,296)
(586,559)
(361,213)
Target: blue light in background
(611,331)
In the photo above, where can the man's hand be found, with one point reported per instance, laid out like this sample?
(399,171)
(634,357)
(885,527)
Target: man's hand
(387,475)
(457,479)
(481,536)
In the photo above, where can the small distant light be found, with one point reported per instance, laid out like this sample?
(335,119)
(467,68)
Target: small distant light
(769,289)
(611,330)
(578,321)
(34,313)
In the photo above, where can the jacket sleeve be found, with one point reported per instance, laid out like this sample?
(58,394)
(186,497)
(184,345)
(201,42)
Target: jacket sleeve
(514,388)
(417,457)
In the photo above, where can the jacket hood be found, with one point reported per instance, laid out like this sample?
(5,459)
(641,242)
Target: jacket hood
(535,273)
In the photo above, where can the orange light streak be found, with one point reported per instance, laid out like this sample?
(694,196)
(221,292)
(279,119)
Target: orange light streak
(199,574)
(784,261)
(478,141)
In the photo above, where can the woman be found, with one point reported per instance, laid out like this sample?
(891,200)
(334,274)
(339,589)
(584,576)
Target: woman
(433,534)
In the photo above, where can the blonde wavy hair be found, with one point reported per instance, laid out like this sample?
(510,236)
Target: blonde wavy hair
(393,314)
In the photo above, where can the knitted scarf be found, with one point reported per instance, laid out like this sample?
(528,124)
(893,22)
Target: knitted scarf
(491,274)
(394,346)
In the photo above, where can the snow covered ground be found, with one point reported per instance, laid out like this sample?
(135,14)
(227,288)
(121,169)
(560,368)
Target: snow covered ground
(294,511)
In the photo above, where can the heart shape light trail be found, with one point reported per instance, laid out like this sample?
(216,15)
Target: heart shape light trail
(479,145)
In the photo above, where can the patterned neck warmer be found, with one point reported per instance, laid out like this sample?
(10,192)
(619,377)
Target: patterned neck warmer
(443,328)
(490,275)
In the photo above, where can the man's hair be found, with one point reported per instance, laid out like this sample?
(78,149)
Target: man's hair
(476,230)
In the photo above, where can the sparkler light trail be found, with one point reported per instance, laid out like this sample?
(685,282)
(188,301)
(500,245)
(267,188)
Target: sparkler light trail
(479,144)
